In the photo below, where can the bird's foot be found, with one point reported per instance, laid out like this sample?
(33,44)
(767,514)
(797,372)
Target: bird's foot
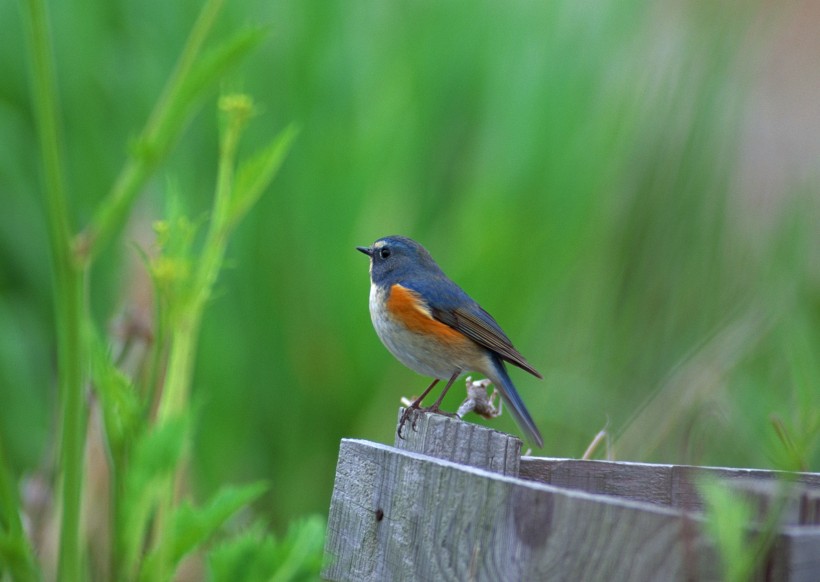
(414,410)
(411,409)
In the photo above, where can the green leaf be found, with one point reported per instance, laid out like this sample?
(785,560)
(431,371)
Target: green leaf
(727,516)
(256,555)
(118,399)
(205,72)
(256,174)
(301,550)
(192,526)
(250,555)
(16,557)
(156,455)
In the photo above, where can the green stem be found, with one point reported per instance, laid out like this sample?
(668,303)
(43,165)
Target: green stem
(172,404)
(71,361)
(180,367)
(153,143)
(67,289)
(176,390)
(183,343)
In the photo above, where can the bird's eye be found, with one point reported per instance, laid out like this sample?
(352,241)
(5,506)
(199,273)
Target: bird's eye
(384,252)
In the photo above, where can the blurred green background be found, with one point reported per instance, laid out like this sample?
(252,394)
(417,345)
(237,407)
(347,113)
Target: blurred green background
(596,174)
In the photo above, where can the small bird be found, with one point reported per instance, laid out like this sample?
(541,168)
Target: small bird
(434,328)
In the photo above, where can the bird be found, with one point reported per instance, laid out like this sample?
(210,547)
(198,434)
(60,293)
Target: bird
(436,329)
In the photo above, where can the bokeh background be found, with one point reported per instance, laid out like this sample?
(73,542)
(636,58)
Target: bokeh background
(629,187)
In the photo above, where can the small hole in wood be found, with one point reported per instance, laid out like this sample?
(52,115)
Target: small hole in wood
(379,514)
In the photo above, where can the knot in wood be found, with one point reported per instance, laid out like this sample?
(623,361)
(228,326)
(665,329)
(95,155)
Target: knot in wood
(532,514)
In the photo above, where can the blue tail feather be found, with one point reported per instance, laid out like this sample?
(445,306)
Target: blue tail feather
(501,379)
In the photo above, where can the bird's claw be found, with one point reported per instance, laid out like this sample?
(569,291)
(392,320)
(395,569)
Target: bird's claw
(415,410)
(411,409)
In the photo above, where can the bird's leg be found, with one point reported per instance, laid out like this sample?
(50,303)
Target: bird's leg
(435,408)
(413,407)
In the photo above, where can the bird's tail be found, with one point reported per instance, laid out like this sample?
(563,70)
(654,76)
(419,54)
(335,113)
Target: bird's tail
(501,380)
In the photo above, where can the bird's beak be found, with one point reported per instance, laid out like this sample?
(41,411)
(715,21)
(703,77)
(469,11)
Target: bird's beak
(366,250)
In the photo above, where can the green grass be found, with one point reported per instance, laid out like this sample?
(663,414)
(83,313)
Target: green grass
(146,529)
(572,176)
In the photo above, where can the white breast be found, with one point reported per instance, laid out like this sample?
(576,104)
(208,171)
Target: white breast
(417,351)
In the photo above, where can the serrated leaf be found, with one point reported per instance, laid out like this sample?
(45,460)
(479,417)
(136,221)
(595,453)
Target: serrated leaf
(250,555)
(256,174)
(194,526)
(256,555)
(155,456)
(118,399)
(301,550)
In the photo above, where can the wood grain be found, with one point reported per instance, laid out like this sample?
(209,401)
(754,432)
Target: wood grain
(461,442)
(669,485)
(446,504)
(397,515)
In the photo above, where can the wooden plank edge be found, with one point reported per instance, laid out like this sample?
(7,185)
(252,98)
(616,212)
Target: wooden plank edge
(398,515)
(666,485)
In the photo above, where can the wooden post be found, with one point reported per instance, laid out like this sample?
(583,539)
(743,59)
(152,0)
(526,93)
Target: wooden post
(465,443)
(398,515)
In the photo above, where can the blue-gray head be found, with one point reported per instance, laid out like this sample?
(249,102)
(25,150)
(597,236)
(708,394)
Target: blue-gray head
(393,258)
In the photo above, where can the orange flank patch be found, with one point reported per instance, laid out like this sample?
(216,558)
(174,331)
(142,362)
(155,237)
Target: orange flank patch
(408,307)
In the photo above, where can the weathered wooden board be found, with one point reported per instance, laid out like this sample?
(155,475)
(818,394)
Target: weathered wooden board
(464,443)
(400,515)
(397,515)
(668,485)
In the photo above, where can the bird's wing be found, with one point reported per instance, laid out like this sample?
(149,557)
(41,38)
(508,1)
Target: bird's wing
(479,326)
